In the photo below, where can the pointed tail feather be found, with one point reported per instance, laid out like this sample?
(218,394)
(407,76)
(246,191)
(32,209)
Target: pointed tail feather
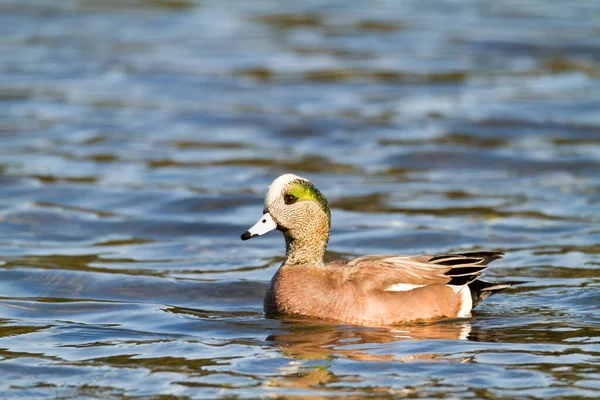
(481,290)
(485,256)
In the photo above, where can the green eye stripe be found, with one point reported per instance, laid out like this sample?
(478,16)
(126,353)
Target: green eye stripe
(306,191)
(302,191)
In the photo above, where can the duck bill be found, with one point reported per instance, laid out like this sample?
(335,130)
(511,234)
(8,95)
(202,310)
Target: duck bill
(265,224)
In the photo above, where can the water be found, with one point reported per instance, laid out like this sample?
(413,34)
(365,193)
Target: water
(138,138)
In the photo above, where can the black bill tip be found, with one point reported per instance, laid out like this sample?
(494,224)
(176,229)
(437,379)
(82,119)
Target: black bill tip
(247,235)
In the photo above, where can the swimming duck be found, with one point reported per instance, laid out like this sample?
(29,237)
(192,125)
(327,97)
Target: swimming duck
(368,290)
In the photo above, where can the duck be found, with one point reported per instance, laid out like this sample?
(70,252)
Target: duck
(373,290)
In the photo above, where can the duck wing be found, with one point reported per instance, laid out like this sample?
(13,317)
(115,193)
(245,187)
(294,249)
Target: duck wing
(393,272)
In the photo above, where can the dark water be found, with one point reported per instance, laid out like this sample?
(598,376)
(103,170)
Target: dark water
(137,140)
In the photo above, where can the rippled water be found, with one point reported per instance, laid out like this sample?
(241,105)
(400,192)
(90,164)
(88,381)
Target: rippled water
(137,140)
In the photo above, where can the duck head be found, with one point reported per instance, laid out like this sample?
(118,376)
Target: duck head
(299,210)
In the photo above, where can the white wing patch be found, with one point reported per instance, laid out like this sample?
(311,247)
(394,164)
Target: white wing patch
(402,287)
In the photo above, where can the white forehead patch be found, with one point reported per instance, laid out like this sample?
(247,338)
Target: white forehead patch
(276,188)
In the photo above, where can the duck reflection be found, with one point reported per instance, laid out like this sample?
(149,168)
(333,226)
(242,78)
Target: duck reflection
(311,340)
(308,341)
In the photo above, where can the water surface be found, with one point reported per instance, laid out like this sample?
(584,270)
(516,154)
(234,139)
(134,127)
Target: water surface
(137,140)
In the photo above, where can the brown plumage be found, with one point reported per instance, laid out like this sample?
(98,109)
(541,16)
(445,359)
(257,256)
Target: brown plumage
(368,290)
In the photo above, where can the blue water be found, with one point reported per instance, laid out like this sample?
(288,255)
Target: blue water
(137,141)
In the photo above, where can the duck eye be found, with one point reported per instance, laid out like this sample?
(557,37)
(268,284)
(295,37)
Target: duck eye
(289,199)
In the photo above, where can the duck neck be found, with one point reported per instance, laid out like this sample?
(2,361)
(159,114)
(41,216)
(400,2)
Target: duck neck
(306,248)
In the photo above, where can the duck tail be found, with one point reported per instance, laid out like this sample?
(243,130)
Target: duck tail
(481,290)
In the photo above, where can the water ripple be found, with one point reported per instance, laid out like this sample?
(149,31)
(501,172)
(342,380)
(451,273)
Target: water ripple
(138,137)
